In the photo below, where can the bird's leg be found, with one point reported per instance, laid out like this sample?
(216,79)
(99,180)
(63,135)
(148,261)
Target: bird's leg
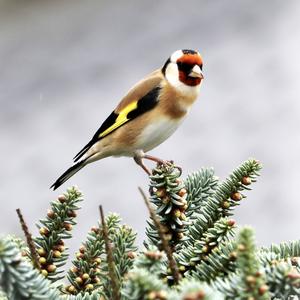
(138,158)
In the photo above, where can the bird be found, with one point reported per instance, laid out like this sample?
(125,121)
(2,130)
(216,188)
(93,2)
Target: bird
(146,116)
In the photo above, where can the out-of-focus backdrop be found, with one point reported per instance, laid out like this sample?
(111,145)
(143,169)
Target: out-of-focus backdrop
(65,64)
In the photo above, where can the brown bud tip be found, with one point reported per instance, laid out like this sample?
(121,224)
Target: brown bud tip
(263,289)
(56,254)
(205,249)
(51,268)
(79,280)
(71,213)
(50,214)
(161,192)
(176,213)
(250,279)
(231,222)
(95,229)
(74,269)
(60,248)
(233,255)
(195,296)
(293,274)
(85,276)
(182,216)
(62,198)
(89,287)
(162,295)
(241,247)
(154,255)
(79,255)
(44,231)
(71,289)
(68,226)
(246,180)
(97,260)
(236,196)
(60,242)
(226,204)
(182,268)
(131,255)
(180,235)
(42,260)
(182,192)
(41,252)
(82,249)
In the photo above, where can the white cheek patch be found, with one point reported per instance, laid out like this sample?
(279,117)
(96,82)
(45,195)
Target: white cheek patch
(172,76)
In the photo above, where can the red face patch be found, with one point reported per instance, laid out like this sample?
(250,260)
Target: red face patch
(190,59)
(185,64)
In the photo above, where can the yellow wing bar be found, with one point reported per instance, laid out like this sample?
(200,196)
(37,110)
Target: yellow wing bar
(121,119)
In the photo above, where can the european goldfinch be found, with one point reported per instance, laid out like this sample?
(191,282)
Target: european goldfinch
(149,113)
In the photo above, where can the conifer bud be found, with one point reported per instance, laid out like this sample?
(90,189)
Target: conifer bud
(79,280)
(231,222)
(226,204)
(51,268)
(74,269)
(68,226)
(44,231)
(71,289)
(41,252)
(50,214)
(89,287)
(131,255)
(97,260)
(182,192)
(236,196)
(263,289)
(71,213)
(246,180)
(161,192)
(56,254)
(44,272)
(95,229)
(62,198)
(176,213)
(85,276)
(42,260)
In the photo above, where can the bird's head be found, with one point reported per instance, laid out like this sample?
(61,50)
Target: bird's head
(184,67)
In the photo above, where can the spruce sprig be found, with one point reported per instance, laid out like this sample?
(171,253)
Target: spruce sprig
(54,229)
(18,278)
(168,194)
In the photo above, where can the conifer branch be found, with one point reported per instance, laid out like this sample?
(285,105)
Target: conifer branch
(29,240)
(110,259)
(54,229)
(165,244)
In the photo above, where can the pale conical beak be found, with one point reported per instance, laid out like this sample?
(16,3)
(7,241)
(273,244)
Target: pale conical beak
(196,72)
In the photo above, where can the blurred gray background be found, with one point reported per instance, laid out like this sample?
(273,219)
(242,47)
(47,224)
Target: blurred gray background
(64,65)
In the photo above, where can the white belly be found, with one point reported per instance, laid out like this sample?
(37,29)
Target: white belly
(156,133)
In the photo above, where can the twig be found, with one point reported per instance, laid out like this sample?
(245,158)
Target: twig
(29,240)
(165,244)
(110,259)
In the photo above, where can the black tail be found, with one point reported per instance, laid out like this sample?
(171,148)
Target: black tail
(69,173)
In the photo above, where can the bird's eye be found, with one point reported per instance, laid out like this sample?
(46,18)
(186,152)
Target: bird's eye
(183,66)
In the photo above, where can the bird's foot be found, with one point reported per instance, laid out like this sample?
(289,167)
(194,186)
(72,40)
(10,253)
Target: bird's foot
(139,155)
